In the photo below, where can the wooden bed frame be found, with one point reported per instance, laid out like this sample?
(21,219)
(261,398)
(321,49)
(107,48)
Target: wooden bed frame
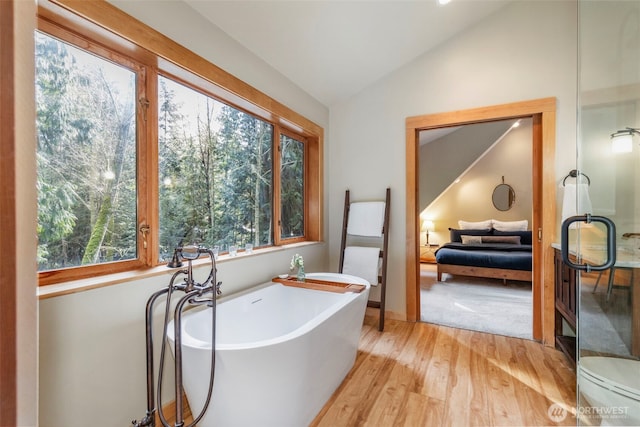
(492,273)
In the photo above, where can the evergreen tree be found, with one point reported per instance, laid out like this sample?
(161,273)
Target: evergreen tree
(86,158)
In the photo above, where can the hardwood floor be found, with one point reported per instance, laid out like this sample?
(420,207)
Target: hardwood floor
(419,374)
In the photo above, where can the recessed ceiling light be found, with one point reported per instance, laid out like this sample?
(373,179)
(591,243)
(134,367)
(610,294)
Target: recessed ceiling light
(443,1)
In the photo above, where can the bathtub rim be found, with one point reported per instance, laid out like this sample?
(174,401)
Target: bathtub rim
(347,278)
(347,297)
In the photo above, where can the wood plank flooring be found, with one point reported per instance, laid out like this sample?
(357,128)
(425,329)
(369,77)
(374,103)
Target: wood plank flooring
(419,374)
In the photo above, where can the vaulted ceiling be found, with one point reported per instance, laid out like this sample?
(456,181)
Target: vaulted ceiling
(333,49)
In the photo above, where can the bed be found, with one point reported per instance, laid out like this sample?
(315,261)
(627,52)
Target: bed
(487,253)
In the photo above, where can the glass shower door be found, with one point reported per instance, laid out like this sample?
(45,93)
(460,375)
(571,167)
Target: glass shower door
(608,335)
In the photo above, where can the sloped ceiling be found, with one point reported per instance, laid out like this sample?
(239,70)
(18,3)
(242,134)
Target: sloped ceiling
(450,155)
(333,49)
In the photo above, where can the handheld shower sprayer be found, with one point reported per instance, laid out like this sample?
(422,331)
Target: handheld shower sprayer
(195,293)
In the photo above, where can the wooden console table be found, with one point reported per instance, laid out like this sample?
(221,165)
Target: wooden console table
(566,294)
(565,306)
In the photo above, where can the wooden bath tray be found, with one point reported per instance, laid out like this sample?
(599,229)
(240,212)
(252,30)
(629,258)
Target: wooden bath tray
(321,285)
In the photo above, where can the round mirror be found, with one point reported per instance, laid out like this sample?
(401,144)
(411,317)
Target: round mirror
(503,197)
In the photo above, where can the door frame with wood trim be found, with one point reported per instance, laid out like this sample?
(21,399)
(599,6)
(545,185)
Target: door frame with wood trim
(543,113)
(8,274)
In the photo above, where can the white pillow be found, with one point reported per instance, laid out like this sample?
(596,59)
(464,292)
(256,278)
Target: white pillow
(522,225)
(480,225)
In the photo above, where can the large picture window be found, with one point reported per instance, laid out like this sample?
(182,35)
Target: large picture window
(139,152)
(86,156)
(215,177)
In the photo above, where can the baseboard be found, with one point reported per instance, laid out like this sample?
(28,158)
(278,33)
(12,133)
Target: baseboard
(370,311)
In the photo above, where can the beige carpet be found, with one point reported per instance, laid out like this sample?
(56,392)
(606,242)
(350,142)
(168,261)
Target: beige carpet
(478,304)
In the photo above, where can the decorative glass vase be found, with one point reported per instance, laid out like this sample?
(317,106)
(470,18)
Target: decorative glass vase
(300,276)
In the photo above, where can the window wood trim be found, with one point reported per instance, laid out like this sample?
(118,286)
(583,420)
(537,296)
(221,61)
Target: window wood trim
(144,181)
(149,183)
(8,274)
(276,161)
(277,236)
(99,26)
(232,89)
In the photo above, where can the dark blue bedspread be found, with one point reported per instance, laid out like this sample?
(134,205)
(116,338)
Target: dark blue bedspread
(492,255)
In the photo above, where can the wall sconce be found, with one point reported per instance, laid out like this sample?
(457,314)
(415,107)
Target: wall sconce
(622,140)
(427,226)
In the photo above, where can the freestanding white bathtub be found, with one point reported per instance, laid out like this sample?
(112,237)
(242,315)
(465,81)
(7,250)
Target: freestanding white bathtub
(281,352)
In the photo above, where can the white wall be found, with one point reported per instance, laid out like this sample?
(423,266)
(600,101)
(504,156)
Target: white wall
(92,359)
(176,20)
(525,51)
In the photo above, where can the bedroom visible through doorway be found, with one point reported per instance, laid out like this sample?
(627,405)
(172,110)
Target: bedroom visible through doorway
(543,113)
(470,177)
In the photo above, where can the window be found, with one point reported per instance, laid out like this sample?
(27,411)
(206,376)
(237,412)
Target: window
(215,165)
(291,187)
(139,151)
(86,157)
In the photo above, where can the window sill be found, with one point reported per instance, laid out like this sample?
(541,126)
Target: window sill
(75,286)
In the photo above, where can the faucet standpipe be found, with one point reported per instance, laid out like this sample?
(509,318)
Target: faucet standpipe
(193,291)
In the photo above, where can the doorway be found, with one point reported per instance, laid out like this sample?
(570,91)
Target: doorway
(543,113)
(476,172)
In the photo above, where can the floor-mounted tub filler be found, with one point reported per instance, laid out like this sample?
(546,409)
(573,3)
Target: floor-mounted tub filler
(191,294)
(281,352)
